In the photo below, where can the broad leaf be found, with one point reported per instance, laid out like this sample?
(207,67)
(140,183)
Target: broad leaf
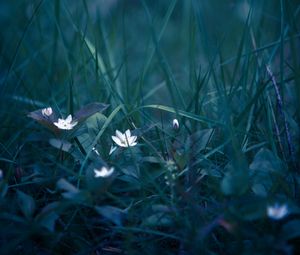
(235,181)
(60,144)
(48,216)
(26,203)
(158,220)
(89,110)
(46,121)
(264,170)
(81,115)
(63,184)
(114,214)
(199,140)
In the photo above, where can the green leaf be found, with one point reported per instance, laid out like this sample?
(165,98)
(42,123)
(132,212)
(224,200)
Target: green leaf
(72,193)
(235,181)
(264,170)
(250,208)
(60,144)
(199,140)
(158,220)
(114,214)
(95,123)
(48,216)
(160,217)
(131,171)
(81,197)
(26,204)
(89,110)
(63,184)
(260,189)
(92,126)
(46,121)
(267,162)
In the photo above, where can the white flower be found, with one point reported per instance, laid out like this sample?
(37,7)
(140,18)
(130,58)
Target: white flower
(112,149)
(124,140)
(67,123)
(175,124)
(277,212)
(47,111)
(103,172)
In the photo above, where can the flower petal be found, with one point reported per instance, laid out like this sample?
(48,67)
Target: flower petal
(74,123)
(110,172)
(133,144)
(133,139)
(175,124)
(120,135)
(98,173)
(69,118)
(130,140)
(127,134)
(103,172)
(117,141)
(47,111)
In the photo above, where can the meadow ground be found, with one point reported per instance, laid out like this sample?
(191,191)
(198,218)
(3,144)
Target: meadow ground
(149,127)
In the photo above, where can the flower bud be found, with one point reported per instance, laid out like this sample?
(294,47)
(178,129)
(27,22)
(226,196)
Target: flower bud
(47,111)
(175,124)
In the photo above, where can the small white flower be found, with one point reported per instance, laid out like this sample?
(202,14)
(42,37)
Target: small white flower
(175,124)
(112,149)
(47,111)
(103,172)
(277,212)
(66,124)
(124,140)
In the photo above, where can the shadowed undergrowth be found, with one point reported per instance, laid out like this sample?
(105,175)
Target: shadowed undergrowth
(222,179)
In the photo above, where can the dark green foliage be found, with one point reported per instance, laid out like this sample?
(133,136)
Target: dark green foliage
(228,71)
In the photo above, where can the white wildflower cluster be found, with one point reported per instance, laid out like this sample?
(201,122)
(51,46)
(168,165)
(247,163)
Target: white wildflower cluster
(121,139)
(65,124)
(171,173)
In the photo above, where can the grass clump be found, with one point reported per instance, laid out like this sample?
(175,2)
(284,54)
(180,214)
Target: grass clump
(132,127)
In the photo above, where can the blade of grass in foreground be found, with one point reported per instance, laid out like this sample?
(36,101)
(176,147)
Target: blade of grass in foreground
(182,113)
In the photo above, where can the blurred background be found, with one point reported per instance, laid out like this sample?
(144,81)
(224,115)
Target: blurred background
(43,48)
